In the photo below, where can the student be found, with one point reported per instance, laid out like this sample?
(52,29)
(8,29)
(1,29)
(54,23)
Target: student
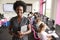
(38,22)
(31,17)
(18,21)
(42,34)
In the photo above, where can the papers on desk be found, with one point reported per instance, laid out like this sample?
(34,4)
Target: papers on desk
(53,34)
(24,28)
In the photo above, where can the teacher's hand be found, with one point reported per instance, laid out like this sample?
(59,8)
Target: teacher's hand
(21,34)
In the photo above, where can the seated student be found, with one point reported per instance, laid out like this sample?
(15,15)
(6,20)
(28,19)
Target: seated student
(42,34)
(31,18)
(38,22)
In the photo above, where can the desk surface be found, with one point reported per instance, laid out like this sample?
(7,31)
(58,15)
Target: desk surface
(53,33)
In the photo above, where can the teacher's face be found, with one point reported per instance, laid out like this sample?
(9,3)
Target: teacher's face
(19,10)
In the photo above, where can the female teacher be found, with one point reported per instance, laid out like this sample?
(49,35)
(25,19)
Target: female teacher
(17,23)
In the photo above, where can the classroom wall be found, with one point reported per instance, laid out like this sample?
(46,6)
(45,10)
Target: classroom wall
(35,6)
(41,7)
(6,14)
(11,14)
(58,13)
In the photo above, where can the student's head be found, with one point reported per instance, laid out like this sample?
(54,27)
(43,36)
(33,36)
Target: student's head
(38,19)
(42,27)
(19,7)
(30,16)
(30,12)
(36,14)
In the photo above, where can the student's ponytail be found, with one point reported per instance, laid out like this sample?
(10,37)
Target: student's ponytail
(40,27)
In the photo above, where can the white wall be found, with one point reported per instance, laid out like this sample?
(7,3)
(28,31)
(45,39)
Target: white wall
(6,14)
(29,1)
(35,6)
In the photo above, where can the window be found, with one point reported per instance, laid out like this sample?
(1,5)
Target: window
(47,8)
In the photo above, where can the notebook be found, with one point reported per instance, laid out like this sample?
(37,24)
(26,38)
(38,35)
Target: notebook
(24,28)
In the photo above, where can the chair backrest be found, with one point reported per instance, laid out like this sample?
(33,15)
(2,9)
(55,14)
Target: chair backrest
(35,33)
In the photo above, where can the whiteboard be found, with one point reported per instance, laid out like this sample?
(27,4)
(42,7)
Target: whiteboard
(8,8)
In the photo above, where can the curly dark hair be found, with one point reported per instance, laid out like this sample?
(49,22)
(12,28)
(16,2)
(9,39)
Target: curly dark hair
(19,3)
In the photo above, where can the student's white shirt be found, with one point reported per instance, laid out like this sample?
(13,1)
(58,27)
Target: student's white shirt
(42,35)
(32,19)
